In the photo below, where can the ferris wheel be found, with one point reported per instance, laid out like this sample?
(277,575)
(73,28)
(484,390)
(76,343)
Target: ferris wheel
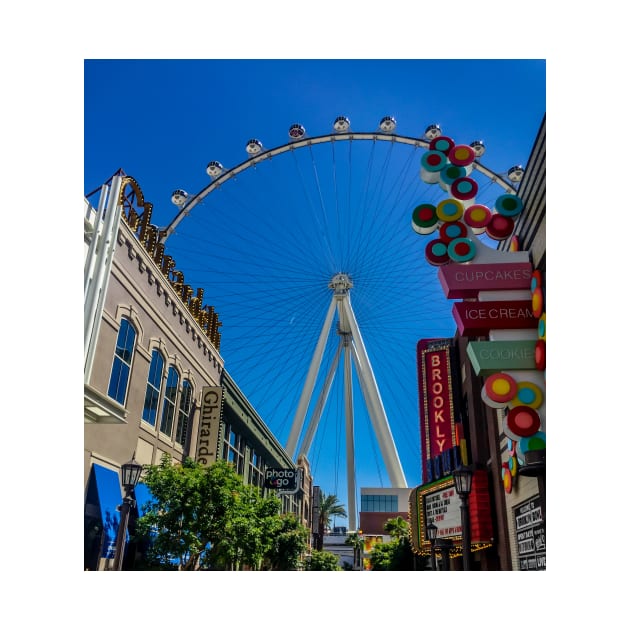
(309,253)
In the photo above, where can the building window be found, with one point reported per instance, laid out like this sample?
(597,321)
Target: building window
(121,367)
(256,467)
(154,382)
(170,399)
(379,503)
(183,416)
(234,450)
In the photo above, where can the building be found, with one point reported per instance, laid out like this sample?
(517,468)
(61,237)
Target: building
(498,431)
(152,350)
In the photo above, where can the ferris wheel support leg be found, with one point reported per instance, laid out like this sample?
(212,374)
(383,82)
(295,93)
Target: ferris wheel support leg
(350,470)
(321,402)
(375,404)
(309,385)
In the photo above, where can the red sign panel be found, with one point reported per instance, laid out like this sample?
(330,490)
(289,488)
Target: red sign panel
(465,281)
(477,318)
(437,414)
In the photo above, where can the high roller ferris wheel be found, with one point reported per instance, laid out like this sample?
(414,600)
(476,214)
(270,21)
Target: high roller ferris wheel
(271,258)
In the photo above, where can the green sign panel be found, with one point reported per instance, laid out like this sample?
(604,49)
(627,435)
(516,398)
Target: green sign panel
(488,357)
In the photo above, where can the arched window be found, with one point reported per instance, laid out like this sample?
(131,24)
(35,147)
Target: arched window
(121,366)
(183,417)
(170,399)
(154,382)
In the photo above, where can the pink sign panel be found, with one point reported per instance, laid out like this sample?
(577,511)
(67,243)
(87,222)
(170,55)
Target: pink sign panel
(465,281)
(477,318)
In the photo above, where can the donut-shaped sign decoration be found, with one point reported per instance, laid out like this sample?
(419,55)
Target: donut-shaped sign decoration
(508,205)
(542,327)
(442,143)
(424,219)
(450,210)
(477,217)
(450,231)
(515,245)
(528,394)
(461,155)
(536,282)
(536,442)
(431,163)
(522,421)
(464,188)
(449,174)
(513,465)
(537,302)
(500,388)
(499,227)
(461,249)
(436,253)
(506,476)
(540,355)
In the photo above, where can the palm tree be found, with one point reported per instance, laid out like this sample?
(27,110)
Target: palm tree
(328,507)
(398,528)
(356,541)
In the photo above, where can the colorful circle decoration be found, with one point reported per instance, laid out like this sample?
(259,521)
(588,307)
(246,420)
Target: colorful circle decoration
(513,465)
(542,327)
(431,163)
(477,217)
(424,219)
(528,394)
(436,253)
(461,155)
(536,442)
(500,388)
(464,188)
(537,302)
(540,355)
(450,210)
(449,174)
(536,282)
(450,231)
(442,143)
(515,245)
(499,227)
(522,421)
(462,249)
(508,205)
(506,476)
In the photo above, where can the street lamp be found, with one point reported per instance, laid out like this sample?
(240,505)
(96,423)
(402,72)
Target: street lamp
(432,531)
(463,477)
(131,472)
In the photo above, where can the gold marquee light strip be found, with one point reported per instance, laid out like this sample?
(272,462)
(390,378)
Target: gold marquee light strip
(137,215)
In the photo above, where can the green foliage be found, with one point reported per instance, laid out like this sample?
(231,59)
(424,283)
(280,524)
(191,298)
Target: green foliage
(396,555)
(328,507)
(204,516)
(397,528)
(322,561)
(290,544)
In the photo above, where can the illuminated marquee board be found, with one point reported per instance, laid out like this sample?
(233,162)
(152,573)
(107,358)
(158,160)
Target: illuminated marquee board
(438,411)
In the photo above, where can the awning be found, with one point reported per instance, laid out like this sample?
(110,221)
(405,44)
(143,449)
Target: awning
(109,498)
(143,496)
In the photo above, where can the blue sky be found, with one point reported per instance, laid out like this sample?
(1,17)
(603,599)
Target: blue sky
(264,245)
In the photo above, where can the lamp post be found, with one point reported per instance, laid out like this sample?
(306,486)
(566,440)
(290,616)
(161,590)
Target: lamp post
(443,545)
(432,535)
(463,477)
(131,472)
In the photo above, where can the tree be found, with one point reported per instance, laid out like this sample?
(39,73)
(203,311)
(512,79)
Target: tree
(322,561)
(397,528)
(205,515)
(290,544)
(355,540)
(328,507)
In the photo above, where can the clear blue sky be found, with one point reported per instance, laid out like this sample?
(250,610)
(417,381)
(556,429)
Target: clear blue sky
(265,245)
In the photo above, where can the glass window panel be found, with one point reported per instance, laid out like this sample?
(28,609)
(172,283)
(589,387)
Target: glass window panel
(121,365)
(170,398)
(185,405)
(152,395)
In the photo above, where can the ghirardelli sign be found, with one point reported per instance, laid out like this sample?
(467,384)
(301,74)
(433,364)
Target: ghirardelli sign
(209,420)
